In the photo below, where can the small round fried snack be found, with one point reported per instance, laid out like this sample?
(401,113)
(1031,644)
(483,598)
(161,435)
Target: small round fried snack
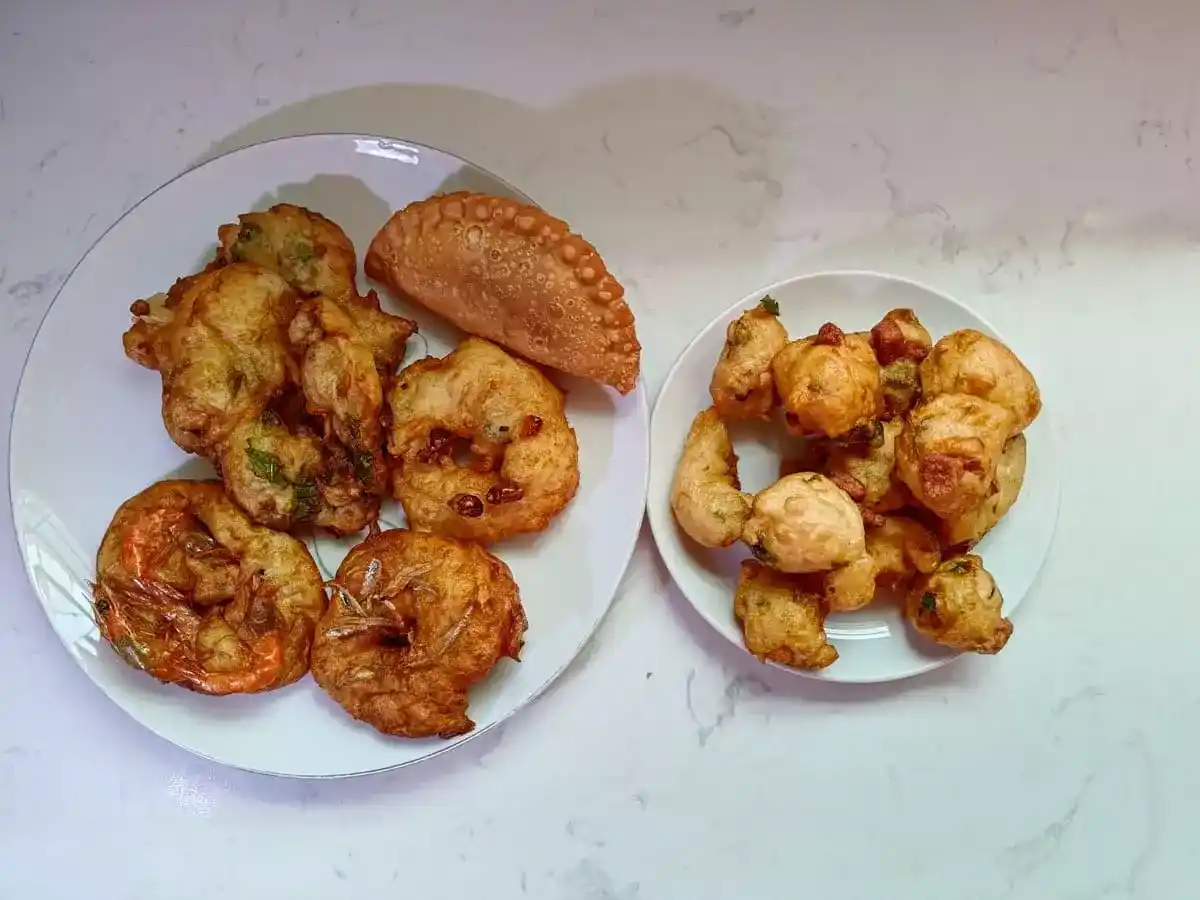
(948,451)
(970,362)
(781,622)
(829,383)
(902,548)
(706,495)
(900,342)
(966,530)
(959,606)
(219,338)
(507,418)
(867,472)
(852,586)
(416,620)
(804,523)
(741,385)
(191,592)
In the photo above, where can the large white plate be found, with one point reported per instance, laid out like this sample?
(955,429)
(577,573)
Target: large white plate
(87,433)
(873,643)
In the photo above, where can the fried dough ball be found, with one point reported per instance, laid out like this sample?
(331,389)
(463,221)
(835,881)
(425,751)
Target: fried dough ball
(900,335)
(219,338)
(947,452)
(192,593)
(968,529)
(959,606)
(850,587)
(507,418)
(804,523)
(706,496)
(829,383)
(900,387)
(416,621)
(867,472)
(315,256)
(780,621)
(902,548)
(741,386)
(970,362)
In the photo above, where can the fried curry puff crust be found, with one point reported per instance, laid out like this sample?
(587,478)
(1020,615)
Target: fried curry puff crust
(191,592)
(416,620)
(512,274)
(482,446)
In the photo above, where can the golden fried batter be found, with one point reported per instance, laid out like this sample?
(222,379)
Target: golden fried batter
(959,606)
(900,335)
(804,523)
(741,386)
(902,548)
(416,621)
(506,418)
(829,383)
(219,338)
(970,362)
(514,275)
(948,450)
(968,529)
(316,257)
(706,495)
(849,587)
(192,593)
(867,472)
(781,622)
(900,387)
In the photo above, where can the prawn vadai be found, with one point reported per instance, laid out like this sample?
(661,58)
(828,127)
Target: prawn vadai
(508,272)
(219,339)
(742,386)
(867,472)
(968,529)
(781,621)
(959,606)
(829,383)
(970,362)
(191,592)
(416,620)
(900,343)
(706,495)
(804,523)
(902,548)
(482,445)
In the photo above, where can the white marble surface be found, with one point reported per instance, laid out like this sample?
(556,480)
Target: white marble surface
(1033,158)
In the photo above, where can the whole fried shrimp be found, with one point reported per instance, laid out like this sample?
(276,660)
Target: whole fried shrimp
(415,621)
(948,450)
(742,386)
(959,606)
(829,383)
(506,418)
(970,362)
(781,621)
(706,496)
(191,592)
(219,338)
(804,523)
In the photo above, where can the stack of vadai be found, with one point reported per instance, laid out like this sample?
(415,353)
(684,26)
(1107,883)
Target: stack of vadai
(911,452)
(278,371)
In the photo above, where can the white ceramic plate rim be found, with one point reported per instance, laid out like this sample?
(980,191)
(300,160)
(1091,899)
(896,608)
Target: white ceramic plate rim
(643,411)
(657,522)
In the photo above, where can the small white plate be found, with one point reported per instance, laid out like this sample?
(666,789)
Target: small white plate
(87,433)
(873,644)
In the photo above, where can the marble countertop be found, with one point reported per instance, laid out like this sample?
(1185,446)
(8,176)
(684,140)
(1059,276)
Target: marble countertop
(1034,159)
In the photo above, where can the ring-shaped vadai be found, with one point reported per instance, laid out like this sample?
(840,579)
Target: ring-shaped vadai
(416,620)
(191,592)
(483,447)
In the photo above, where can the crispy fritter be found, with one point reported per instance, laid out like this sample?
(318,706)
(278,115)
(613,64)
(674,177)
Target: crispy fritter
(415,622)
(902,549)
(968,529)
(706,496)
(959,606)
(192,593)
(867,471)
(741,385)
(851,586)
(948,450)
(970,362)
(219,339)
(804,523)
(829,383)
(512,274)
(483,445)
(781,622)
(900,335)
